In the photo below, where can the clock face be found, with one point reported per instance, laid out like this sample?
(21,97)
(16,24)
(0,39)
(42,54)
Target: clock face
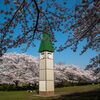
(41,55)
(46,55)
(50,55)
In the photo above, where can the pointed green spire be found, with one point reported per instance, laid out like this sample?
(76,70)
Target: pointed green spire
(46,44)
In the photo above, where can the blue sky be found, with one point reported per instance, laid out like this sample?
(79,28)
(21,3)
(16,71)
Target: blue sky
(67,56)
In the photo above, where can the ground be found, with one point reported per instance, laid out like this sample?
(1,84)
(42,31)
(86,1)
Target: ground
(88,92)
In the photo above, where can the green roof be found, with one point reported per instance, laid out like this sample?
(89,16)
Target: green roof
(46,44)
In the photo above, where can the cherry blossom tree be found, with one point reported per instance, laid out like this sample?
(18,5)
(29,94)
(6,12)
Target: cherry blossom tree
(31,17)
(86,28)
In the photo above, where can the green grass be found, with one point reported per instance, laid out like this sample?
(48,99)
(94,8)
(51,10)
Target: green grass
(74,89)
(65,93)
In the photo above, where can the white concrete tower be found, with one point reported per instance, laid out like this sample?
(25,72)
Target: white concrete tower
(46,70)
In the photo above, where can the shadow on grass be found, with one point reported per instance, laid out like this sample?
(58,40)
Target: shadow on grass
(90,95)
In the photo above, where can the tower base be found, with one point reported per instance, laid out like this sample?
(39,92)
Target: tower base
(46,93)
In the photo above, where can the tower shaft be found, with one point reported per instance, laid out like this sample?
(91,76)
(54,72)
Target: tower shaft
(46,74)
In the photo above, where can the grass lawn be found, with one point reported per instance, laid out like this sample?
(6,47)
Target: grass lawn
(88,92)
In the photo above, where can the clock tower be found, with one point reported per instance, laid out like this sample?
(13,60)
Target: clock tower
(46,70)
